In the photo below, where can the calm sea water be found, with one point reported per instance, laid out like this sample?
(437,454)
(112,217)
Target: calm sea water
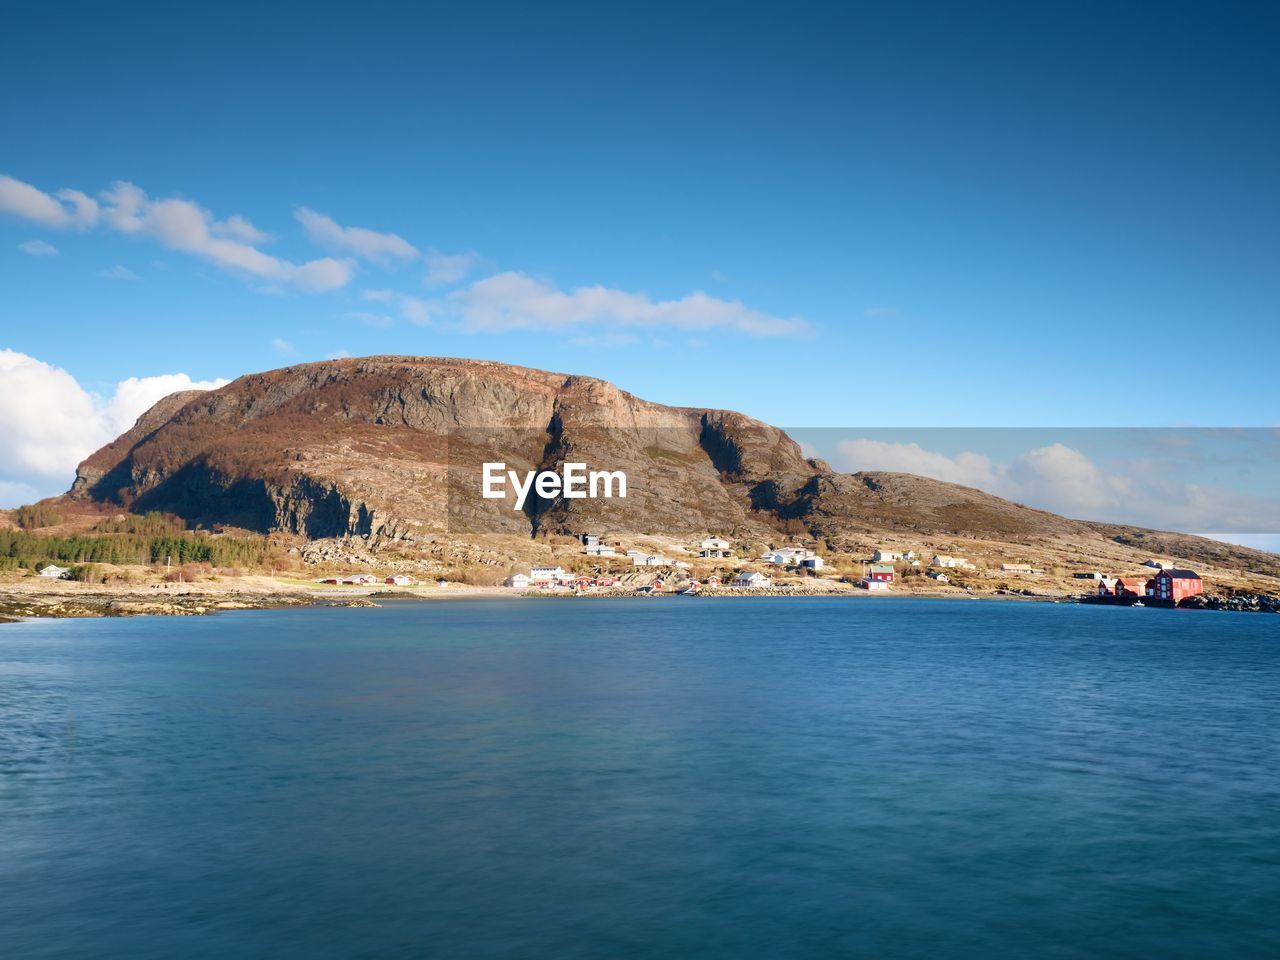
(883,778)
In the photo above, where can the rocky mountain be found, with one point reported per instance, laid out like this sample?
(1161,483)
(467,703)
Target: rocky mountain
(390,449)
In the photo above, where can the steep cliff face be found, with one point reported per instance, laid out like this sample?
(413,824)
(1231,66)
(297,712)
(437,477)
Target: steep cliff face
(393,448)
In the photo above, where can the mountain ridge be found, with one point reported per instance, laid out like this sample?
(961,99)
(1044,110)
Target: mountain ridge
(388,449)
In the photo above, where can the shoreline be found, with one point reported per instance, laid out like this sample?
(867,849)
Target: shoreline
(65,601)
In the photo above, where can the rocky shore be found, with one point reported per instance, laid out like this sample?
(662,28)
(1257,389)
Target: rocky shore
(1249,603)
(21,603)
(23,606)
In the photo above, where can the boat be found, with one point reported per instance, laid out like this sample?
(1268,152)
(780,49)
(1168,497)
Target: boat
(1137,603)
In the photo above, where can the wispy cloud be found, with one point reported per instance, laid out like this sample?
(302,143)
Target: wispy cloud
(188,227)
(516,301)
(119,273)
(38,248)
(880,313)
(66,209)
(447,269)
(411,308)
(383,248)
(283,347)
(238,228)
(504,301)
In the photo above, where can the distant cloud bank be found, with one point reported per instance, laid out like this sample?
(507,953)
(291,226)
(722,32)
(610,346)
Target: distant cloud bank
(1059,478)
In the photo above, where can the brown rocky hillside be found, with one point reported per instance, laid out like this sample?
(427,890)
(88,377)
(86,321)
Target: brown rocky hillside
(388,449)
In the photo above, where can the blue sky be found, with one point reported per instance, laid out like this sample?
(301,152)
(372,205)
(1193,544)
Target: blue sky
(820,214)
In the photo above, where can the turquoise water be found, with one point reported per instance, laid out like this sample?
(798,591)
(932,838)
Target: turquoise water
(751,778)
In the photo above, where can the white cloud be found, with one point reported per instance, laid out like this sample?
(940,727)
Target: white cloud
(49,423)
(447,269)
(238,228)
(282,346)
(64,210)
(879,313)
(339,355)
(188,227)
(38,248)
(381,248)
(506,301)
(414,309)
(513,301)
(119,273)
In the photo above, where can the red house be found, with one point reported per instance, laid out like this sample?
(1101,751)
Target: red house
(1130,586)
(882,572)
(1175,585)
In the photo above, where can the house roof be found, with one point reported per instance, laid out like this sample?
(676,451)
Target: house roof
(1181,574)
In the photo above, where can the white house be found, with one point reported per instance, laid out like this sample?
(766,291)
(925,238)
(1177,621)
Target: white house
(886,556)
(651,560)
(518,580)
(1159,564)
(547,574)
(942,560)
(784,555)
(875,586)
(812,563)
(599,550)
(54,572)
(714,543)
(590,540)
(752,581)
(715,553)
(400,580)
(939,576)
